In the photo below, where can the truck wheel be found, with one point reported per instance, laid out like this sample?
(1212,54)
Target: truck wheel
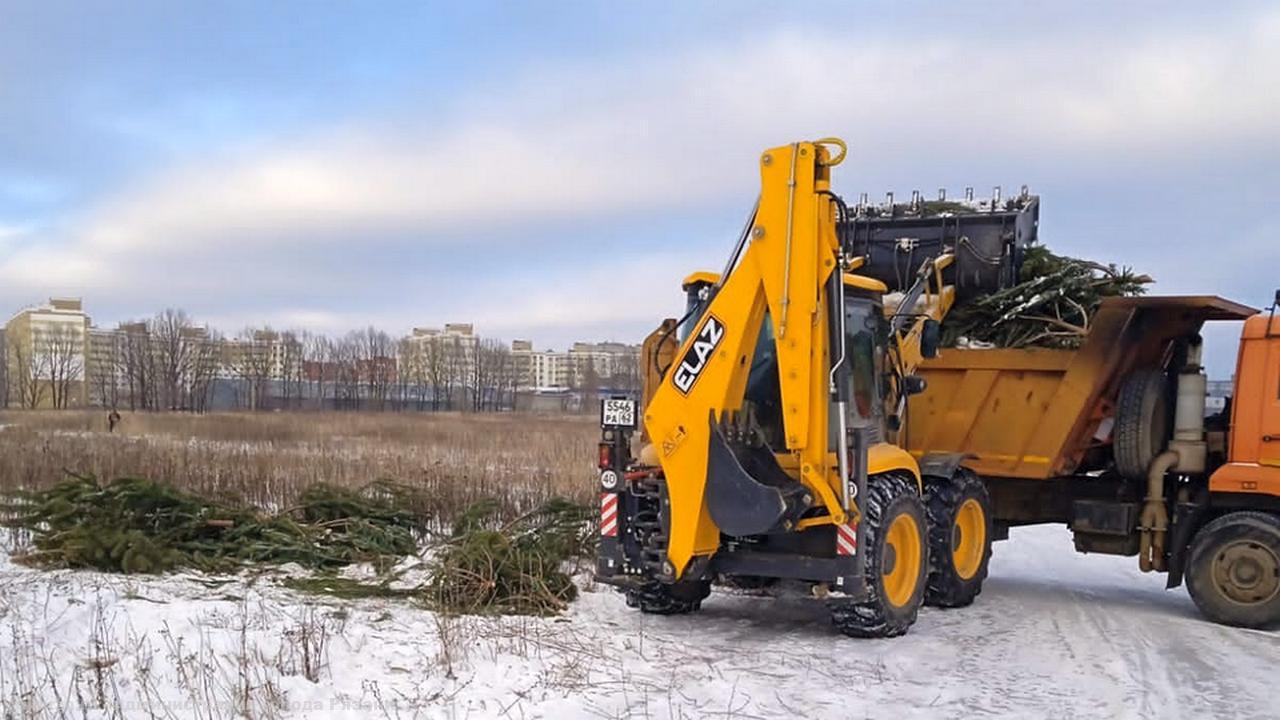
(657,598)
(1234,570)
(1142,422)
(897,561)
(959,511)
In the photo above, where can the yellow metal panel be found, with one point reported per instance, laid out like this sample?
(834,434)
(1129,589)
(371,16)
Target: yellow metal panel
(702,276)
(949,410)
(679,422)
(884,457)
(1020,359)
(657,352)
(1005,408)
(863,282)
(793,268)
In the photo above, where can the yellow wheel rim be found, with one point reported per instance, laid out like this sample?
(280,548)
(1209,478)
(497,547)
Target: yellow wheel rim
(968,539)
(903,543)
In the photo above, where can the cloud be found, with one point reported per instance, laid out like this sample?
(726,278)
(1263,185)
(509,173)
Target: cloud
(13,231)
(657,135)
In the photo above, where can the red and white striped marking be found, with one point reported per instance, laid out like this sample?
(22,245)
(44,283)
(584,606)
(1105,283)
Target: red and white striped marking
(609,514)
(846,540)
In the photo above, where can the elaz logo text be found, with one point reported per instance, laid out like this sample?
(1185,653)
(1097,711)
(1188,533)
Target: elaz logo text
(695,359)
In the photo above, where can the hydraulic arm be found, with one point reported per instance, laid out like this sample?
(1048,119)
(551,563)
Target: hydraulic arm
(775,277)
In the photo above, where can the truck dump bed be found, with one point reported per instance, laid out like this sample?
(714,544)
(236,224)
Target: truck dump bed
(1040,413)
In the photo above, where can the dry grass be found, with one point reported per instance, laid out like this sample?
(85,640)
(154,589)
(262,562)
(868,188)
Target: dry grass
(268,458)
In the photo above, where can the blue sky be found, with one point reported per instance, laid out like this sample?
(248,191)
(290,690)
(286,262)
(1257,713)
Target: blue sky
(551,170)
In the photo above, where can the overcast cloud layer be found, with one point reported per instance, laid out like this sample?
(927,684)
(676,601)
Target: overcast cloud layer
(553,174)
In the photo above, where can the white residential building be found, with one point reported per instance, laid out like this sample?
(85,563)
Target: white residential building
(46,354)
(456,346)
(584,364)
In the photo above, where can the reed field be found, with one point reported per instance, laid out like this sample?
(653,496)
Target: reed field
(268,459)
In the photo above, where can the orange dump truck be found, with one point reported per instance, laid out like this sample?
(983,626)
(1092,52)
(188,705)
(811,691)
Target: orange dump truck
(1113,440)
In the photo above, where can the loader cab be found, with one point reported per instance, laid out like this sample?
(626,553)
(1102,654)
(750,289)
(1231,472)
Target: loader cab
(866,331)
(866,341)
(866,345)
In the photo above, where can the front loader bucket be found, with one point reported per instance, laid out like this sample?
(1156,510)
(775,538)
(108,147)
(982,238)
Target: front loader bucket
(987,237)
(740,504)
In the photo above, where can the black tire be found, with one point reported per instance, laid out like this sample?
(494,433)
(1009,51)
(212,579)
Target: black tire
(1233,573)
(657,598)
(1143,422)
(889,497)
(950,586)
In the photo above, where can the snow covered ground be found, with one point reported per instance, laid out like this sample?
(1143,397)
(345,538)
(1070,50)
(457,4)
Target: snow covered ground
(1054,634)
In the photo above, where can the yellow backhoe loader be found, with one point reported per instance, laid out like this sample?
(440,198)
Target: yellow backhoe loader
(768,428)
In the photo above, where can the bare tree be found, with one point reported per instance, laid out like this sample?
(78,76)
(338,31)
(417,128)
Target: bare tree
(4,370)
(586,378)
(165,363)
(624,373)
(318,369)
(250,357)
(173,340)
(513,376)
(377,363)
(480,376)
(290,368)
(413,371)
(345,356)
(103,369)
(62,348)
(28,373)
(458,358)
(139,364)
(204,369)
(436,367)
(490,374)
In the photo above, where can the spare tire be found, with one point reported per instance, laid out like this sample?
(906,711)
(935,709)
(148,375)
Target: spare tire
(1143,422)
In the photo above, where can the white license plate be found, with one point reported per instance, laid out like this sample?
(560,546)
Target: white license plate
(618,413)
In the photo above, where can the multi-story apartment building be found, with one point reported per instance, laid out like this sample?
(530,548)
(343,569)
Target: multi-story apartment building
(539,369)
(267,354)
(136,365)
(584,365)
(606,364)
(105,370)
(450,351)
(45,355)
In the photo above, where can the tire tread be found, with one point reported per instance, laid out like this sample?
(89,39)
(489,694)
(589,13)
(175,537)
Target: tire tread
(870,617)
(943,497)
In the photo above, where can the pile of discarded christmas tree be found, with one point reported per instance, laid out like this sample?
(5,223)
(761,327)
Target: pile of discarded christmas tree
(1051,306)
(492,559)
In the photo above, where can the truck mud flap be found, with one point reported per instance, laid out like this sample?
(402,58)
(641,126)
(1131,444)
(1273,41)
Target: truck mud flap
(740,504)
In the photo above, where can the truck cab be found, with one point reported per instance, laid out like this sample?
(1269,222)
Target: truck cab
(1254,440)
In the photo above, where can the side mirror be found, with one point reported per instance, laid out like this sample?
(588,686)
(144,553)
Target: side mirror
(930,338)
(913,385)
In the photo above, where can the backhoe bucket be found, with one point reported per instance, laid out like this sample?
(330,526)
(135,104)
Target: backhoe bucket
(739,503)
